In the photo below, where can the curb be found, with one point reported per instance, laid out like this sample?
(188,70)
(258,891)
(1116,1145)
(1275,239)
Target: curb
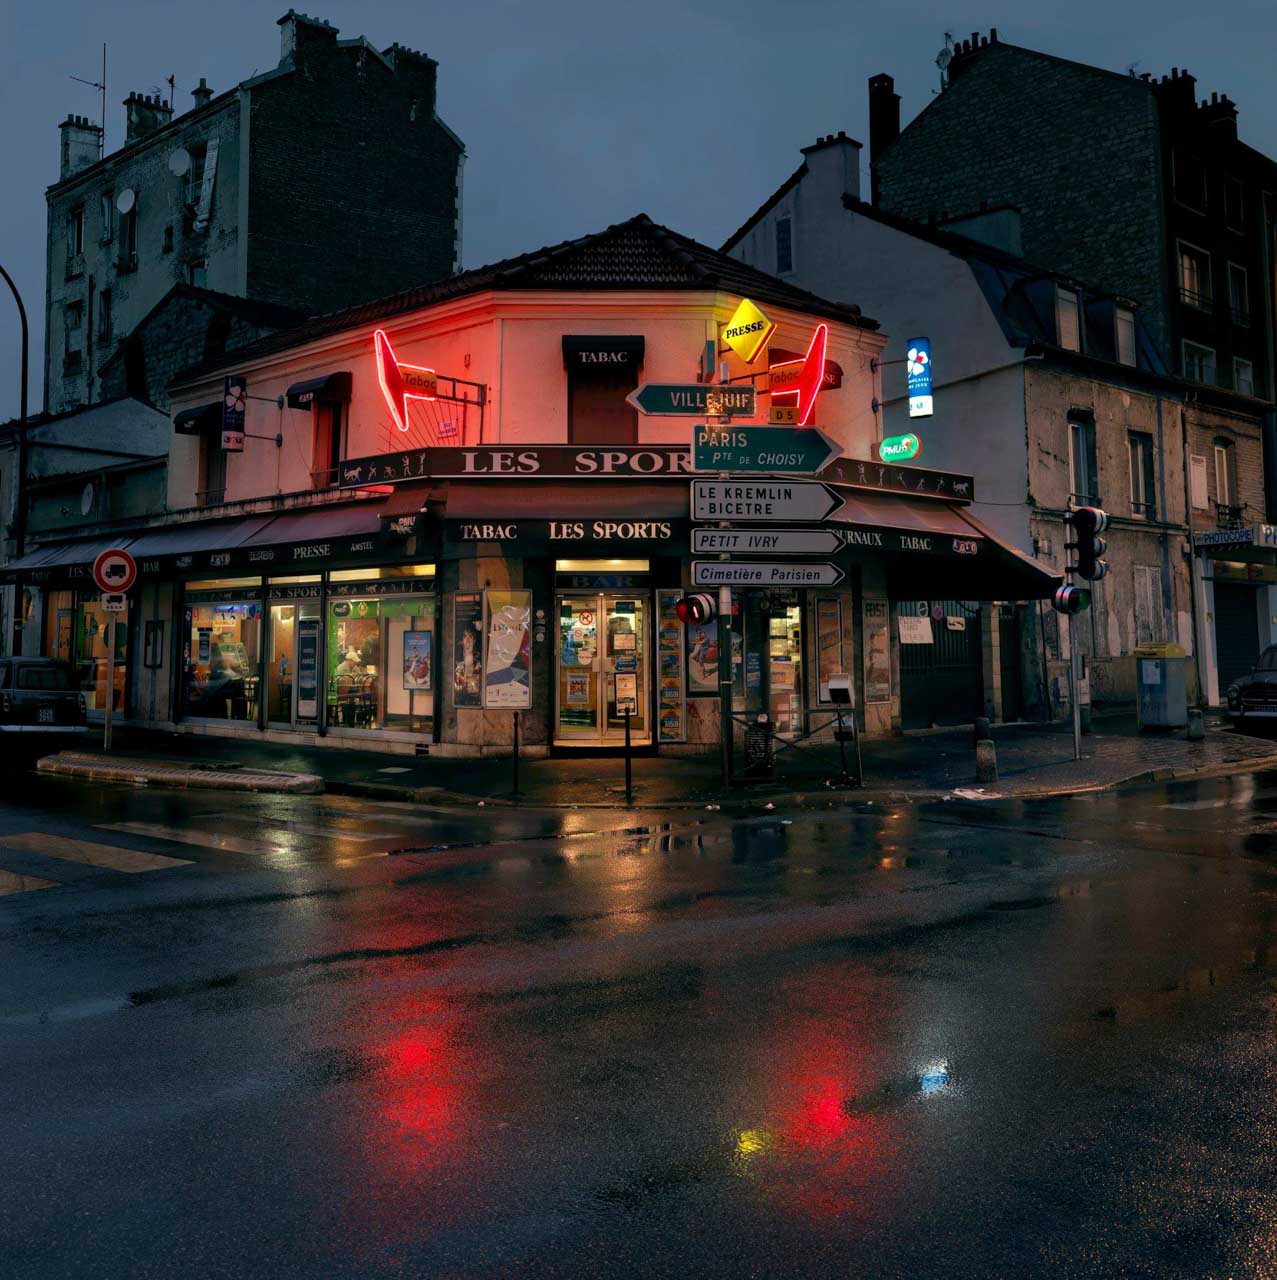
(96,769)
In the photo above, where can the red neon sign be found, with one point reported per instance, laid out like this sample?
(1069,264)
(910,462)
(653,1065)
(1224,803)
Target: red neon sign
(811,377)
(401,382)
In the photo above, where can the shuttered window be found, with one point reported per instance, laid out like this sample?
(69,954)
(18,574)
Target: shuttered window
(1150,619)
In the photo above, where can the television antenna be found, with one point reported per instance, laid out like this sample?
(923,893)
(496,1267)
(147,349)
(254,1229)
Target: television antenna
(101,86)
(943,58)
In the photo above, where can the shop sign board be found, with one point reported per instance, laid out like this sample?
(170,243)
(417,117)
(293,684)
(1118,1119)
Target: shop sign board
(234,399)
(764,573)
(789,450)
(748,331)
(401,382)
(783,501)
(114,571)
(537,461)
(918,371)
(919,482)
(777,542)
(693,400)
(899,448)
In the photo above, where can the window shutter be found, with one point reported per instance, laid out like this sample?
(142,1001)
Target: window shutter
(1197,482)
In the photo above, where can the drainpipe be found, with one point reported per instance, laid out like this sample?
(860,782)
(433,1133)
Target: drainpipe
(1270,349)
(1192,555)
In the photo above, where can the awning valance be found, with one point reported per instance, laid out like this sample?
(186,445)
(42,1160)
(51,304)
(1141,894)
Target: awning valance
(61,554)
(332,386)
(204,417)
(186,539)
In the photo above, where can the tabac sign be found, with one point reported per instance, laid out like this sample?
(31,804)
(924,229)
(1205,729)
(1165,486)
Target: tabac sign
(402,382)
(748,331)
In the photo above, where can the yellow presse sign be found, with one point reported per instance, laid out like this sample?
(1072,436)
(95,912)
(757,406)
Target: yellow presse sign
(748,331)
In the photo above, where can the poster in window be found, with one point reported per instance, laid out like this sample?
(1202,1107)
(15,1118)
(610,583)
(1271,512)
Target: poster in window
(702,658)
(416,660)
(671,700)
(578,694)
(308,669)
(828,643)
(877,633)
(204,647)
(507,664)
(467,650)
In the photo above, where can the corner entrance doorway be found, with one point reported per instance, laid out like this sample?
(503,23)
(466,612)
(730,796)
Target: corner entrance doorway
(602,647)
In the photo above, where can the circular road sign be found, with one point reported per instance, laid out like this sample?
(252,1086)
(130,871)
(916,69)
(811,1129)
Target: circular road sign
(115,570)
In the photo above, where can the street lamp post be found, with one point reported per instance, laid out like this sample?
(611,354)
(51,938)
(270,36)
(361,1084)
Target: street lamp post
(20,509)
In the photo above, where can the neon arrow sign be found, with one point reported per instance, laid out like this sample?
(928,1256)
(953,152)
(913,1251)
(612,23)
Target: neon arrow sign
(811,377)
(402,382)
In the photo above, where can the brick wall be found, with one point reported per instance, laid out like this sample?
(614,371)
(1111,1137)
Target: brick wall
(1074,148)
(353,187)
(1206,425)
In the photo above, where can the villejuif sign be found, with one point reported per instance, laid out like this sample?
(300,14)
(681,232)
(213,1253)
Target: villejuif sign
(918,368)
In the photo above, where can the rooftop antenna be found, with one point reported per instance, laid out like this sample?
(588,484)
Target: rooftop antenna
(1130,68)
(172,89)
(100,85)
(943,58)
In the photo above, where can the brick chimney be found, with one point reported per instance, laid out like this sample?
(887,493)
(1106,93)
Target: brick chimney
(833,166)
(416,72)
(1177,92)
(302,38)
(81,143)
(144,114)
(201,93)
(1220,116)
(884,123)
(965,51)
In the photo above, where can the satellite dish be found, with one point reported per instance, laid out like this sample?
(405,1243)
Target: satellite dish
(126,200)
(179,162)
(86,499)
(944,57)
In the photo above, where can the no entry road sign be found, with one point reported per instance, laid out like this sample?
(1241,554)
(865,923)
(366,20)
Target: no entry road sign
(764,573)
(115,571)
(784,501)
(787,450)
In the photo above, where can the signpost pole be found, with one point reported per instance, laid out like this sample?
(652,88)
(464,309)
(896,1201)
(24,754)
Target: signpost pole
(1075,680)
(725,680)
(629,776)
(110,683)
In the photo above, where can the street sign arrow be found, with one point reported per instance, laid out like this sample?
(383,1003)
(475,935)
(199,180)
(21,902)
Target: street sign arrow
(782,501)
(787,450)
(776,542)
(764,573)
(692,400)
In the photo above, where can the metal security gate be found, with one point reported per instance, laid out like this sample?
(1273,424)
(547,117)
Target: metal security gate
(941,674)
(1236,632)
(1010,662)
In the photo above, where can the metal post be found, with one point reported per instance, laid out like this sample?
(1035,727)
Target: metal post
(20,505)
(110,683)
(725,681)
(1075,682)
(515,791)
(629,775)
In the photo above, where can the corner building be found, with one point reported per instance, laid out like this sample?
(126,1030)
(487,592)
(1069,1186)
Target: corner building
(370,565)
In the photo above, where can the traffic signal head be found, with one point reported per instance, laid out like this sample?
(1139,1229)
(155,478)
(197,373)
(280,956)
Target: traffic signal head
(1071,599)
(700,607)
(1088,523)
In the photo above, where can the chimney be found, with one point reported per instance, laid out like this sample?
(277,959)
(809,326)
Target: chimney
(884,124)
(144,114)
(302,37)
(1177,91)
(1220,116)
(833,165)
(81,142)
(201,93)
(416,73)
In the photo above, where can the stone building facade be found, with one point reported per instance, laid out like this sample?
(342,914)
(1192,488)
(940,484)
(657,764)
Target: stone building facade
(267,191)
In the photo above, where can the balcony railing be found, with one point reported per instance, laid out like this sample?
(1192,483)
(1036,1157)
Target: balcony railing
(1203,301)
(1228,516)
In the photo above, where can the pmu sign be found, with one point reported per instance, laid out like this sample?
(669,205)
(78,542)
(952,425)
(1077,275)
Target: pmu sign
(234,400)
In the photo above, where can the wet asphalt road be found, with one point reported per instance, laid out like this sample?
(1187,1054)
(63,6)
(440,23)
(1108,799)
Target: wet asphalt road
(254,1036)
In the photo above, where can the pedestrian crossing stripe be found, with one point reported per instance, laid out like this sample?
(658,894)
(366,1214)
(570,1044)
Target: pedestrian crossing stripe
(109,856)
(12,882)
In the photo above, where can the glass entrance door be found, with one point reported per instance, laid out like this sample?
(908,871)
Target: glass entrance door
(293,669)
(602,657)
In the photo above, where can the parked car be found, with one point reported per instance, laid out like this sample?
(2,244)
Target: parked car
(40,699)
(1253,698)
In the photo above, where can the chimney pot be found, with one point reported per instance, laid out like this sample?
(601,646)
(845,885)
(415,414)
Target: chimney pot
(884,124)
(993,35)
(201,93)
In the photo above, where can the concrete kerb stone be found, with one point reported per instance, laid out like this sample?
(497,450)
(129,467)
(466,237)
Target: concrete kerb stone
(138,773)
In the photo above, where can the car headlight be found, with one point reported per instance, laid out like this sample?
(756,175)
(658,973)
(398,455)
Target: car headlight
(1234,693)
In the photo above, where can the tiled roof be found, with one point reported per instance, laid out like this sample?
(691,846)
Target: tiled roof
(636,254)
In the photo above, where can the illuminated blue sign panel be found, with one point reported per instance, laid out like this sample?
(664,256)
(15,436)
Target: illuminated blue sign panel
(918,367)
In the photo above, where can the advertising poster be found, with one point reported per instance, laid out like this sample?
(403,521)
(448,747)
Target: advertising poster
(308,669)
(204,648)
(467,650)
(828,643)
(578,690)
(915,630)
(671,713)
(416,659)
(877,633)
(507,664)
(625,694)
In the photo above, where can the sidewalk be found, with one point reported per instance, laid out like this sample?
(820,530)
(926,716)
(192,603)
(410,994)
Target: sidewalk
(1032,760)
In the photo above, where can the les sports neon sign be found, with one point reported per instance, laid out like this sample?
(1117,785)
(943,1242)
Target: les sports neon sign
(402,382)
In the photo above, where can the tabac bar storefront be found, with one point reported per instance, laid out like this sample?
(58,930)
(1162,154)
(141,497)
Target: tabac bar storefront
(474,584)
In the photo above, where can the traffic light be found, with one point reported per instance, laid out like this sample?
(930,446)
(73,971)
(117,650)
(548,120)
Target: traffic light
(1088,523)
(1071,599)
(698,608)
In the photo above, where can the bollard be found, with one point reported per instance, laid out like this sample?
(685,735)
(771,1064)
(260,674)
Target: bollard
(629,776)
(983,730)
(986,761)
(515,757)
(1196,724)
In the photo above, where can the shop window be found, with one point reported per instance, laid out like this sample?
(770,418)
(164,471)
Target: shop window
(1068,328)
(1125,321)
(601,373)
(785,674)
(75,631)
(327,442)
(1083,467)
(1143,483)
(221,650)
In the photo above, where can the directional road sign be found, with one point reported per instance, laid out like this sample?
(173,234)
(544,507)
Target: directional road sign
(792,450)
(764,573)
(115,571)
(692,400)
(776,542)
(782,501)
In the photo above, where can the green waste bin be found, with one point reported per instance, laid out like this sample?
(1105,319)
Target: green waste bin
(1161,682)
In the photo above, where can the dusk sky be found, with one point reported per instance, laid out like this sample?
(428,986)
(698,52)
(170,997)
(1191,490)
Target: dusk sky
(576,114)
